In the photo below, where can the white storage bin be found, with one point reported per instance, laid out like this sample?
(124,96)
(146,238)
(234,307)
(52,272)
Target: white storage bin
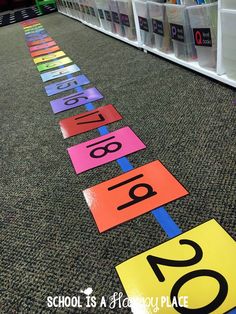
(77,9)
(127,18)
(203,21)
(82,10)
(104,14)
(160,26)
(144,22)
(228,25)
(181,32)
(93,13)
(116,23)
(228,4)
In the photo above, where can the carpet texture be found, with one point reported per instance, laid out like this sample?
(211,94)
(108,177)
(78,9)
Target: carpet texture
(49,242)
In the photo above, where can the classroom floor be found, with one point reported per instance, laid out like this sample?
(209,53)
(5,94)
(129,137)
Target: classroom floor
(49,241)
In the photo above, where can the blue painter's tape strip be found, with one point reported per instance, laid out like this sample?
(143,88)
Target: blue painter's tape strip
(166,222)
(103,130)
(232,312)
(160,214)
(125,164)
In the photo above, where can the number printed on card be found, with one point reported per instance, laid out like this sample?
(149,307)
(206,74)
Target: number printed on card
(85,122)
(75,100)
(47,76)
(65,85)
(193,273)
(132,194)
(104,149)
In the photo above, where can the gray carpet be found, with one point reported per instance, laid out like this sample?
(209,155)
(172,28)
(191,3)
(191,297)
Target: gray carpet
(49,241)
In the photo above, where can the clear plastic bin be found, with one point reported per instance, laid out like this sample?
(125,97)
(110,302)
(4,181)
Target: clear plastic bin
(77,9)
(181,32)
(104,14)
(116,22)
(203,21)
(228,4)
(127,18)
(160,26)
(144,22)
(82,10)
(228,25)
(93,13)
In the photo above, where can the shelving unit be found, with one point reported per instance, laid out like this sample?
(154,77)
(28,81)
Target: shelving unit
(68,7)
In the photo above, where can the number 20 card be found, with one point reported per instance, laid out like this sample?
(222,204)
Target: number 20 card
(132,194)
(192,273)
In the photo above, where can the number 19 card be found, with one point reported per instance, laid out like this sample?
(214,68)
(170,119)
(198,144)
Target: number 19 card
(132,194)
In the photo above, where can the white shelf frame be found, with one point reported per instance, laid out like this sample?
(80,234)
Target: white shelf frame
(193,65)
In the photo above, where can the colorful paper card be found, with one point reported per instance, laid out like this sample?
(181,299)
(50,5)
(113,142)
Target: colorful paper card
(193,273)
(75,100)
(104,149)
(36,37)
(53,64)
(65,85)
(132,194)
(44,51)
(38,30)
(49,57)
(85,122)
(47,76)
(38,42)
(28,24)
(43,46)
(32,37)
(31,28)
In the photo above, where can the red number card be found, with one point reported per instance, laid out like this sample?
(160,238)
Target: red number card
(44,51)
(85,122)
(40,41)
(132,194)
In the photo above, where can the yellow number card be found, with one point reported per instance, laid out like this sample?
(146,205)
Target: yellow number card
(49,57)
(194,272)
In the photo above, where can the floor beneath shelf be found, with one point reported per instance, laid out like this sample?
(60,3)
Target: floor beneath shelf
(51,244)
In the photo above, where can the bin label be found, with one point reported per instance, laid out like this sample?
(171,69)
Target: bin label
(108,15)
(115,17)
(157,27)
(132,194)
(100,12)
(92,11)
(177,32)
(82,8)
(191,273)
(124,19)
(87,9)
(143,23)
(104,149)
(202,37)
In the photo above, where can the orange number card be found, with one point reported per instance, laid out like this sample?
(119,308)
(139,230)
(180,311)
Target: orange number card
(132,194)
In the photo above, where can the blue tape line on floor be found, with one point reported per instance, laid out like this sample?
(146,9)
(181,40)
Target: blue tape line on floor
(160,214)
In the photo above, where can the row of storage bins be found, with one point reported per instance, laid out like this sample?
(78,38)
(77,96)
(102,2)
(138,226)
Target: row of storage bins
(190,32)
